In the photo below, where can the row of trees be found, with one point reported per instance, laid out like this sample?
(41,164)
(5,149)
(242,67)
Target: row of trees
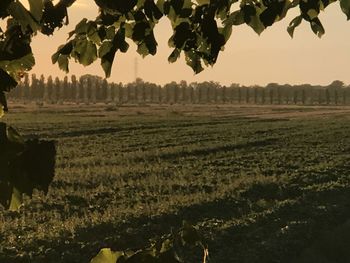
(93,89)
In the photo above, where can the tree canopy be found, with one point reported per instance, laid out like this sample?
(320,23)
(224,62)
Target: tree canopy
(201,28)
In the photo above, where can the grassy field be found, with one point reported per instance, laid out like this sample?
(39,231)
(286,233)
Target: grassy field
(264,184)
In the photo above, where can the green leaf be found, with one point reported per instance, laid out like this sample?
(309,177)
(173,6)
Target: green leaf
(106,255)
(293,24)
(22,15)
(93,34)
(10,71)
(81,27)
(16,200)
(87,52)
(142,49)
(174,55)
(108,50)
(317,27)
(1,111)
(160,5)
(65,49)
(235,19)
(14,137)
(3,101)
(345,7)
(190,235)
(194,61)
(36,9)
(105,48)
(63,63)
(312,13)
(203,2)
(6,82)
(226,32)
(167,245)
(24,166)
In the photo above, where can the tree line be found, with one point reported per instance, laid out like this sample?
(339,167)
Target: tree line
(94,89)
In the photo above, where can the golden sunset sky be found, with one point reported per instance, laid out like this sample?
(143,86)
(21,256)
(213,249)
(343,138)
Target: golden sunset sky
(248,59)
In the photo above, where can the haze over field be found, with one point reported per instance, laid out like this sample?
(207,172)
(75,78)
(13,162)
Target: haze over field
(248,58)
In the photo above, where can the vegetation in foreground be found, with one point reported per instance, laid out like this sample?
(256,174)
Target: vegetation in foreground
(273,189)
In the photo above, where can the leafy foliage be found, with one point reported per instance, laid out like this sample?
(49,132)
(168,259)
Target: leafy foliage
(201,28)
(24,165)
(166,250)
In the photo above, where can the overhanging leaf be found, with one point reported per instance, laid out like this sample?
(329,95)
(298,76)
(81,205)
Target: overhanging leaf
(317,27)
(16,200)
(7,82)
(235,19)
(24,166)
(63,63)
(293,24)
(203,2)
(17,66)
(174,55)
(22,15)
(345,7)
(1,111)
(87,52)
(36,8)
(106,255)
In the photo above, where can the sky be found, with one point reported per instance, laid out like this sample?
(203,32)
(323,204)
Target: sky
(248,59)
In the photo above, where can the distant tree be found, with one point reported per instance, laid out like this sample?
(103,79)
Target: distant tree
(344,96)
(170,92)
(65,89)
(336,84)
(239,95)
(247,95)
(128,93)
(75,96)
(143,92)
(183,86)
(85,87)
(33,93)
(160,94)
(328,97)
(303,96)
(271,95)
(121,90)
(41,87)
(82,86)
(191,94)
(176,92)
(279,94)
(56,90)
(103,91)
(255,95)
(295,96)
(320,100)
(49,89)
(263,98)
(336,97)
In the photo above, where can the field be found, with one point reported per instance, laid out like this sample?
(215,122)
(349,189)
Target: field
(263,184)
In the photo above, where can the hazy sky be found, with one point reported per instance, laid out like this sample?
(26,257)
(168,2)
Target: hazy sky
(248,58)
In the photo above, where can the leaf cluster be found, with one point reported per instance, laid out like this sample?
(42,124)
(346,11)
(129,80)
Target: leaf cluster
(168,249)
(200,29)
(24,166)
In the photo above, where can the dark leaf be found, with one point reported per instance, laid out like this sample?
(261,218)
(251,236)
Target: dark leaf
(293,24)
(345,7)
